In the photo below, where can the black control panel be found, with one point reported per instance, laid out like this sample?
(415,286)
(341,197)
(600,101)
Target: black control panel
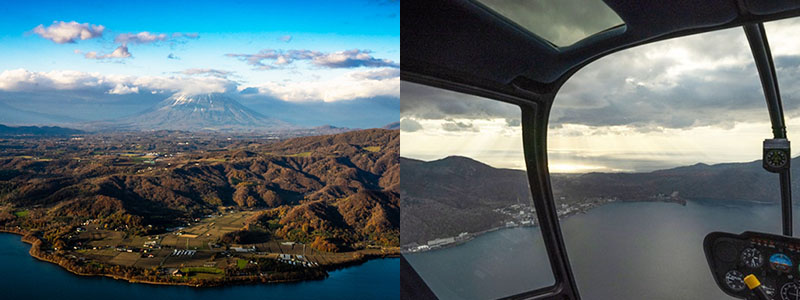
(773,259)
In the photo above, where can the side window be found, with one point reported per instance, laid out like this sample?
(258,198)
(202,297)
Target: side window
(785,48)
(468,223)
(652,148)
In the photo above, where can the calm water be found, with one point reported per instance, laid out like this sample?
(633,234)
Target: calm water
(618,251)
(26,278)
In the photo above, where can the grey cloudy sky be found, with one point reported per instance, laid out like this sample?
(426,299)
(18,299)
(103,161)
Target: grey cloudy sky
(670,103)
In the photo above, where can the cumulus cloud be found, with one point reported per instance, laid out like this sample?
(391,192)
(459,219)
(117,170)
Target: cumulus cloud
(120,52)
(139,38)
(459,126)
(345,87)
(122,89)
(268,59)
(172,56)
(409,125)
(29,81)
(62,32)
(352,59)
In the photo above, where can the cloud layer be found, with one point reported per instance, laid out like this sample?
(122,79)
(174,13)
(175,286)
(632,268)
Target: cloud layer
(27,81)
(349,86)
(346,87)
(702,80)
(269,59)
(68,32)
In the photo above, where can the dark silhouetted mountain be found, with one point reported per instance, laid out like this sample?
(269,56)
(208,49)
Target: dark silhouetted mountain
(457,194)
(35,130)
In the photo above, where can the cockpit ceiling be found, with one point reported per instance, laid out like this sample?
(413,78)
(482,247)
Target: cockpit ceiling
(463,41)
(561,22)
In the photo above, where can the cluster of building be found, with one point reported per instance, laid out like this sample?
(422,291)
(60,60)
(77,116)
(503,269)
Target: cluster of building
(297,260)
(244,249)
(440,242)
(177,252)
(520,215)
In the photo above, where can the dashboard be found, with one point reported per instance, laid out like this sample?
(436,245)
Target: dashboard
(773,259)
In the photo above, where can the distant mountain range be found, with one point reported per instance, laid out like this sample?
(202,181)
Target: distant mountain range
(36,131)
(13,115)
(456,194)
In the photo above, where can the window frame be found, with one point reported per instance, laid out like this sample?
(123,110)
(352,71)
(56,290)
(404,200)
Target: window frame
(534,117)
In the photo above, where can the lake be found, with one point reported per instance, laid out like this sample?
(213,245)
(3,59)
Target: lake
(28,278)
(642,250)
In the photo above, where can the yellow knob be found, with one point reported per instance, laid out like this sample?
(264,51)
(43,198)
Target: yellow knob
(751,281)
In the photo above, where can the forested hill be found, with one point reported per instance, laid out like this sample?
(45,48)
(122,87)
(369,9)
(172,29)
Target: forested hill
(459,194)
(343,183)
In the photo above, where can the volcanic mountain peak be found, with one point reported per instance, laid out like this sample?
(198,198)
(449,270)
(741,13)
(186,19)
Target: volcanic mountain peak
(203,112)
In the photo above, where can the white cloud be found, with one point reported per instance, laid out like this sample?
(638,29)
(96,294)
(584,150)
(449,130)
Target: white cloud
(67,32)
(121,89)
(143,37)
(24,80)
(346,87)
(120,52)
(269,59)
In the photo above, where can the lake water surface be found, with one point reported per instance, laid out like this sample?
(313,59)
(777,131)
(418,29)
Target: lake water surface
(27,278)
(644,250)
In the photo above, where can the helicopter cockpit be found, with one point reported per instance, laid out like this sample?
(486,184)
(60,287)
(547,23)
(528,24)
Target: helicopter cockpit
(482,51)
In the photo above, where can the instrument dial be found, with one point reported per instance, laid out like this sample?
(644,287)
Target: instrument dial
(735,280)
(790,291)
(752,258)
(780,262)
(776,158)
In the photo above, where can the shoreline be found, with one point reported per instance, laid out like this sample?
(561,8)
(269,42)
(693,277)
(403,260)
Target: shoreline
(473,235)
(679,201)
(37,253)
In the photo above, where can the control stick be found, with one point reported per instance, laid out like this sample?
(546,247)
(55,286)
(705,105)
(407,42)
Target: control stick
(754,285)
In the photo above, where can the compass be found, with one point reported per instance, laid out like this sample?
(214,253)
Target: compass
(776,158)
(777,155)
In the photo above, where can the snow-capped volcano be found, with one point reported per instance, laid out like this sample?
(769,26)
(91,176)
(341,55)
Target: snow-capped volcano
(203,112)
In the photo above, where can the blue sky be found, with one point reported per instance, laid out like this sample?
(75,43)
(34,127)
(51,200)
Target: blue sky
(345,49)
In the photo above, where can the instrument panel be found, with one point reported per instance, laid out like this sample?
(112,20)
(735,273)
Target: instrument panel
(773,259)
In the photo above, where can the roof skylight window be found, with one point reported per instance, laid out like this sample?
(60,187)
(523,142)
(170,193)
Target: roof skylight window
(561,22)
